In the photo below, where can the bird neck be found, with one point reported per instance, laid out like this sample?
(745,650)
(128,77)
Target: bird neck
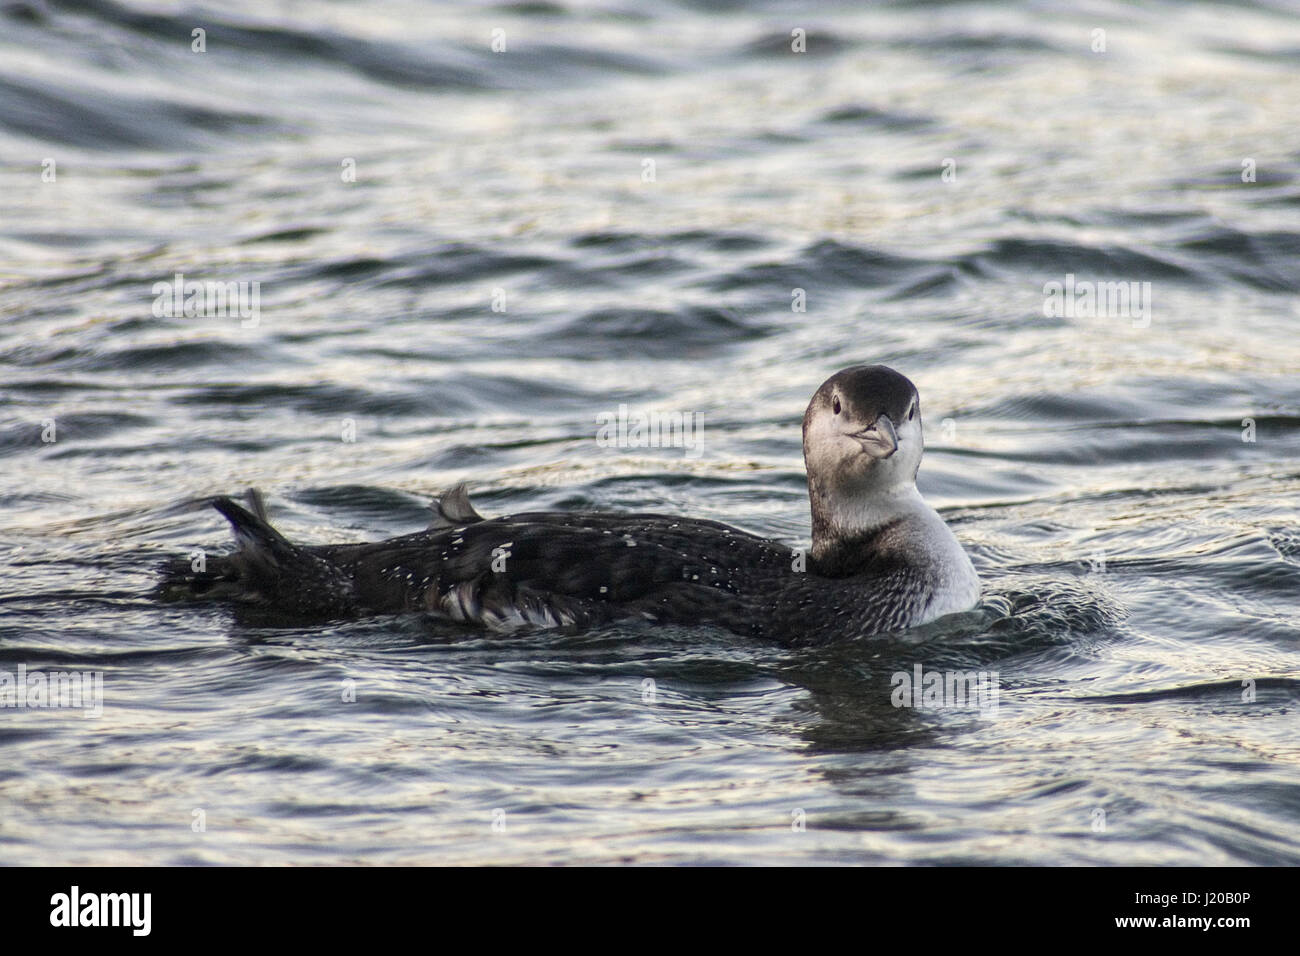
(840,519)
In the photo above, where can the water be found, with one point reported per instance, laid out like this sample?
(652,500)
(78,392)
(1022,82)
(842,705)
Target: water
(1127,484)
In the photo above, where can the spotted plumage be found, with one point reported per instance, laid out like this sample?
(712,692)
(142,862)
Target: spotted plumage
(881,559)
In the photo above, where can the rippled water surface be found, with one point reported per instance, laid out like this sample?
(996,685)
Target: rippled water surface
(640,189)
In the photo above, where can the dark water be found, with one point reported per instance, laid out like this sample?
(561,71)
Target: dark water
(1127,482)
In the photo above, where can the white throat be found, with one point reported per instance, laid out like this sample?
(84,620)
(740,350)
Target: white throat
(924,538)
(861,513)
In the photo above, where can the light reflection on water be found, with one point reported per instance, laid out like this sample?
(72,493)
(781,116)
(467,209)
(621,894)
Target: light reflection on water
(1140,558)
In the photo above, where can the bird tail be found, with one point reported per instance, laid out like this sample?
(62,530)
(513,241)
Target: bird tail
(267,568)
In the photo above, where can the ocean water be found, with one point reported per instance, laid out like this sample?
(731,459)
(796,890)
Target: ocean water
(468,230)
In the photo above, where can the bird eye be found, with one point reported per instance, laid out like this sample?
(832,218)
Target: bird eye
(835,405)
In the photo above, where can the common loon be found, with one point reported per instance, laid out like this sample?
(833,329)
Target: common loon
(881,558)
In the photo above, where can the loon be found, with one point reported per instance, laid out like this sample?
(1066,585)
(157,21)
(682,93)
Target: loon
(881,558)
